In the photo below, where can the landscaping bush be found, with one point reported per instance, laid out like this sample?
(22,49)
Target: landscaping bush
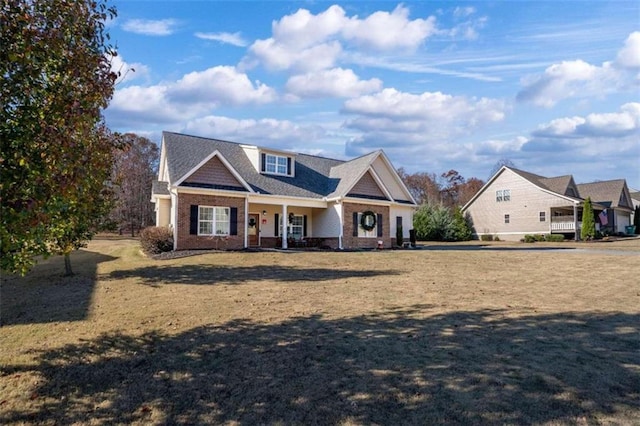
(486,237)
(529,238)
(438,223)
(156,239)
(554,238)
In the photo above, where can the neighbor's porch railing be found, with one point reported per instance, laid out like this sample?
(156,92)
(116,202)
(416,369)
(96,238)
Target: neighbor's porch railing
(564,223)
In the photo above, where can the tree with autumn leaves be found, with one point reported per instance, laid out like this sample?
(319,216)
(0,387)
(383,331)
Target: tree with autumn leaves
(56,153)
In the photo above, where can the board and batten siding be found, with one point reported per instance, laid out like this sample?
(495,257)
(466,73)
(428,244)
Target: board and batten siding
(214,172)
(527,201)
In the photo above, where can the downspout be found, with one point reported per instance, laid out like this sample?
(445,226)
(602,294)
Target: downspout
(174,221)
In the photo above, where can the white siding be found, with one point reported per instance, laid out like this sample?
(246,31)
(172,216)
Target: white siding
(254,156)
(163,212)
(527,201)
(407,219)
(326,222)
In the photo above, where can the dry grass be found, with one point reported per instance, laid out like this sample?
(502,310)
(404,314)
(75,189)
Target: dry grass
(452,334)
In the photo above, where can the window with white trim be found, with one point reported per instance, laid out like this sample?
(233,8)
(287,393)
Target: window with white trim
(295,227)
(213,220)
(503,195)
(543,216)
(506,218)
(275,164)
(373,233)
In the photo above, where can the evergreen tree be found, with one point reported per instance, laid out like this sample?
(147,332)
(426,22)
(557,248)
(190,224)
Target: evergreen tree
(588,231)
(636,219)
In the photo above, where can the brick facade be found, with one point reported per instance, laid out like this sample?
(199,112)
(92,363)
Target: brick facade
(351,242)
(187,241)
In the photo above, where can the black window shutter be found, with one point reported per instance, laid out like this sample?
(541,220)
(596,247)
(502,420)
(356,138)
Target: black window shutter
(355,224)
(263,161)
(304,225)
(233,224)
(276,227)
(399,221)
(289,166)
(379,224)
(193,220)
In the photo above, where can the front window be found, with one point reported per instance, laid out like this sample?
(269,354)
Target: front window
(543,216)
(294,226)
(275,164)
(367,226)
(213,220)
(506,218)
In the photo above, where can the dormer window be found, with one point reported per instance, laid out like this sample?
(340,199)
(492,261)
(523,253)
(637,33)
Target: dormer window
(276,164)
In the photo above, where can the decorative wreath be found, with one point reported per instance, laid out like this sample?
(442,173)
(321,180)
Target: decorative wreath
(368,220)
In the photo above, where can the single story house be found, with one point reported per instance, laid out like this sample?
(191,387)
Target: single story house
(219,194)
(514,203)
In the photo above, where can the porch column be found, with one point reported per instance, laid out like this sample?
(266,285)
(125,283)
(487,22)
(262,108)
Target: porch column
(246,222)
(285,223)
(575,221)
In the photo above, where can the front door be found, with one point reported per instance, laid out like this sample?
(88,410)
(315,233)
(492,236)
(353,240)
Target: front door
(253,229)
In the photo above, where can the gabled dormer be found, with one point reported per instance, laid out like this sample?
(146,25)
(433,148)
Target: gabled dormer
(271,161)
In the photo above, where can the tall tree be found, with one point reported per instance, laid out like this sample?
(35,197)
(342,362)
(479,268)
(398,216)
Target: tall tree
(450,191)
(56,154)
(424,187)
(134,169)
(636,219)
(468,190)
(588,230)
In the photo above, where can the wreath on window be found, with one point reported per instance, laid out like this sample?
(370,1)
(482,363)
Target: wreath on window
(368,220)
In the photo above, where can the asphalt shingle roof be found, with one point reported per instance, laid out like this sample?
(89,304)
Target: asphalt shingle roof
(315,177)
(605,192)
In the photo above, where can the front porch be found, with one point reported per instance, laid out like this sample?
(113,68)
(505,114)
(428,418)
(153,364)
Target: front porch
(569,220)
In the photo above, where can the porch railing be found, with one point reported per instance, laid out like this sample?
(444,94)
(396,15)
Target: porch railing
(564,223)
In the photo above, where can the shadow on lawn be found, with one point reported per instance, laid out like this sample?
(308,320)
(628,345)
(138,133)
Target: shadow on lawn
(44,295)
(393,368)
(225,274)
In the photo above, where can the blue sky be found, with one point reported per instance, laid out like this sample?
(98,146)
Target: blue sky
(554,86)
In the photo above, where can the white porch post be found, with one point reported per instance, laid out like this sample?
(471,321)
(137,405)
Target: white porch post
(284,226)
(246,222)
(575,221)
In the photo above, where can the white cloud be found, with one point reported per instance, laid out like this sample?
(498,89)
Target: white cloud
(161,27)
(194,94)
(335,82)
(579,79)
(234,39)
(610,125)
(414,126)
(463,12)
(305,41)
(220,85)
(385,31)
(428,106)
(281,134)
(629,55)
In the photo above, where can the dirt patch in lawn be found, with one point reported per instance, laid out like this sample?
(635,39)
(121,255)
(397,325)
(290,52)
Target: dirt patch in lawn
(411,337)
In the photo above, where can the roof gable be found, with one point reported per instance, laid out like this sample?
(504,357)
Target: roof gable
(614,193)
(367,187)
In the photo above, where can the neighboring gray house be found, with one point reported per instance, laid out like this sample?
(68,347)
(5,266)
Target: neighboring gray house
(514,203)
(218,194)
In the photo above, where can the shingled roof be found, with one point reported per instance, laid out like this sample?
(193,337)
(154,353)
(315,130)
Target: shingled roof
(315,177)
(610,193)
(559,184)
